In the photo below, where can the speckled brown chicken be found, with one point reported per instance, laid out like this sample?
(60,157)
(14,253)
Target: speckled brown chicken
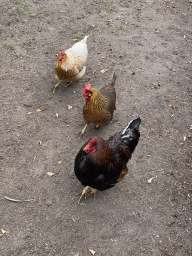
(99,104)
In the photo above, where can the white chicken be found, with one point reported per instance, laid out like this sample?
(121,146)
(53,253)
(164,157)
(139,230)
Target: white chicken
(70,64)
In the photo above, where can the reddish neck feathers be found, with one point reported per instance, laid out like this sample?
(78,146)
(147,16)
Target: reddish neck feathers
(99,150)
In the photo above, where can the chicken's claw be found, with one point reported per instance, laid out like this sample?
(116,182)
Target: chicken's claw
(87,191)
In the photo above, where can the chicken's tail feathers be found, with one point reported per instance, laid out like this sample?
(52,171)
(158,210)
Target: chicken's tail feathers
(113,79)
(130,134)
(135,123)
(84,40)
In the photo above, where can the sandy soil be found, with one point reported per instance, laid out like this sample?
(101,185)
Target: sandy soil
(148,45)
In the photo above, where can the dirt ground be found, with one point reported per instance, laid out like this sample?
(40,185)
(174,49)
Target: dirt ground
(149,46)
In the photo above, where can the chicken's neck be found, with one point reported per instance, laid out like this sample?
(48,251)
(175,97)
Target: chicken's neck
(97,100)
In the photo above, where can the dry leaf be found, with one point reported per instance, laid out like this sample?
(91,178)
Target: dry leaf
(98,64)
(191,127)
(184,36)
(92,251)
(102,57)
(99,29)
(3,231)
(50,173)
(40,142)
(29,113)
(59,162)
(171,106)
(74,40)
(149,181)
(174,70)
(77,254)
(38,110)
(94,71)
(184,138)
(141,67)
(57,114)
(104,70)
(110,21)
(69,107)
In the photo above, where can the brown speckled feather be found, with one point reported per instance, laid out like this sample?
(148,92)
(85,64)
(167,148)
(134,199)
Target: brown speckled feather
(101,105)
(62,74)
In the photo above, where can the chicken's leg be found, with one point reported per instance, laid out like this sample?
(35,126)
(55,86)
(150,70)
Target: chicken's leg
(69,83)
(83,131)
(87,191)
(56,86)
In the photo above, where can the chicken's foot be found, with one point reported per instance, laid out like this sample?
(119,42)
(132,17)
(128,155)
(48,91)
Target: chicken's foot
(87,191)
(83,131)
(56,86)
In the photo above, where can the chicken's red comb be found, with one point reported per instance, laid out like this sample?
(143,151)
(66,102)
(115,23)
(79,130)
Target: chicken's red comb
(60,54)
(90,144)
(86,88)
(92,140)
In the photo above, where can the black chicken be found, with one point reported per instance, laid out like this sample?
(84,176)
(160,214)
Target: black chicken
(101,164)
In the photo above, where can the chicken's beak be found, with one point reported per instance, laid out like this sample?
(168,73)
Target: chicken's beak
(85,148)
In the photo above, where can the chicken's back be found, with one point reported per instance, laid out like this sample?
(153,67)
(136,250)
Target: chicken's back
(125,142)
(109,93)
(77,54)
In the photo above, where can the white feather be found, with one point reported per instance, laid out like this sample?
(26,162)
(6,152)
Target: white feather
(76,57)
